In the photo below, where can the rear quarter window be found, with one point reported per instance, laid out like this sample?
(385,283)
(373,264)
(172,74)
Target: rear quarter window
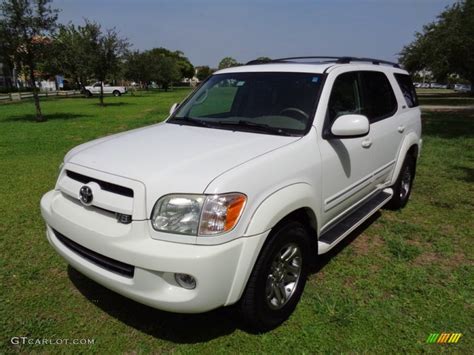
(408,90)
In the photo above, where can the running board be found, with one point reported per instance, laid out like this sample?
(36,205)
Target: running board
(342,229)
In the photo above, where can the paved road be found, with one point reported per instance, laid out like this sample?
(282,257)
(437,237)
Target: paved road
(446,107)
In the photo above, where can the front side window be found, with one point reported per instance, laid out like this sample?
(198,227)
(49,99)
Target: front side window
(408,90)
(263,102)
(345,96)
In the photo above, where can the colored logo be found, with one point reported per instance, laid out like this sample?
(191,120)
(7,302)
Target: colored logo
(443,338)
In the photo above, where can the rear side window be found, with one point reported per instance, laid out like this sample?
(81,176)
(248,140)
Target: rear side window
(408,90)
(379,99)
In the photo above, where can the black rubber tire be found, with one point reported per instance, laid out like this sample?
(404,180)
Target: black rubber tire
(400,200)
(116,93)
(253,307)
(88,93)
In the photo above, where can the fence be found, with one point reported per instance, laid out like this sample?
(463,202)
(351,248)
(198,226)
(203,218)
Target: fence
(18,96)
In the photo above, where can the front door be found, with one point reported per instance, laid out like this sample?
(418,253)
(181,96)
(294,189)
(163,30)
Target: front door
(96,88)
(346,162)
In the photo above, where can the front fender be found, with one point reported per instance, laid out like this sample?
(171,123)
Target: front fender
(410,140)
(280,204)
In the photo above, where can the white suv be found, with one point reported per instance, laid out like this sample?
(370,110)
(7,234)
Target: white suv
(259,170)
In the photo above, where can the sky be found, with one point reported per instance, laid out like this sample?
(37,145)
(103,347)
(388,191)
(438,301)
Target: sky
(208,30)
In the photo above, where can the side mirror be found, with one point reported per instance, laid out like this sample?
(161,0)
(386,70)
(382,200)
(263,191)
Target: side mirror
(173,108)
(350,126)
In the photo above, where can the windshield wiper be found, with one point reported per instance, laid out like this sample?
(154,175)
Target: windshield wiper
(189,121)
(259,126)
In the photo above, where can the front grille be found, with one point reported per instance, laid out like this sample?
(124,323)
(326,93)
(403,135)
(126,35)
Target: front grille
(104,185)
(105,262)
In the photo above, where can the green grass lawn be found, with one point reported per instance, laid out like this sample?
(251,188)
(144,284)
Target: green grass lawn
(399,278)
(444,97)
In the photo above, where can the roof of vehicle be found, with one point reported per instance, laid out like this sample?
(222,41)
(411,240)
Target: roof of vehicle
(313,64)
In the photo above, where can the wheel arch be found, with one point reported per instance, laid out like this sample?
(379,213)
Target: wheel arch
(299,204)
(271,214)
(411,146)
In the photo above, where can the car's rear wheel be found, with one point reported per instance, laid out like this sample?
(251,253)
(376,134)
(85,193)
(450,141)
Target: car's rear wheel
(116,93)
(278,278)
(403,186)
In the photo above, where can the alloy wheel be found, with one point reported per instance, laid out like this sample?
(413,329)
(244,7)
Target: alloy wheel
(283,277)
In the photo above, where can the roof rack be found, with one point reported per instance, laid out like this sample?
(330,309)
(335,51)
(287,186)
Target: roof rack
(326,59)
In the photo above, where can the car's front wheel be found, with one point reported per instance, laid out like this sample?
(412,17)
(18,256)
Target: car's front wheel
(116,93)
(278,278)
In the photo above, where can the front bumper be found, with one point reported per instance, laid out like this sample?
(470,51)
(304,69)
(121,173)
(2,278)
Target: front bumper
(221,270)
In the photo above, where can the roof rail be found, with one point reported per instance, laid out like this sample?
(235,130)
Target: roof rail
(326,59)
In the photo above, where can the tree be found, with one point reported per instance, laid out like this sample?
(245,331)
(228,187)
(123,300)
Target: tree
(159,65)
(72,48)
(445,46)
(186,69)
(203,73)
(164,68)
(228,62)
(264,59)
(137,68)
(6,56)
(105,51)
(168,72)
(29,24)
(86,52)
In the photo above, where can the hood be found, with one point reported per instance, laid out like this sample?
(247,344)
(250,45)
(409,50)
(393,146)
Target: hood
(173,157)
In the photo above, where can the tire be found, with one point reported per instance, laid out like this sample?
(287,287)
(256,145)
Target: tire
(404,184)
(88,93)
(116,93)
(262,306)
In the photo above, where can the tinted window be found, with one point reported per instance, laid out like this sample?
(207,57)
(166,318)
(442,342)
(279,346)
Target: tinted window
(379,99)
(215,101)
(408,90)
(345,96)
(279,100)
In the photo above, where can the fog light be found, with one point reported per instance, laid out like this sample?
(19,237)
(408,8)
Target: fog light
(185,281)
(123,218)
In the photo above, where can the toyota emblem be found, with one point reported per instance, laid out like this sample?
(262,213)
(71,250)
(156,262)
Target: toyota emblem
(85,195)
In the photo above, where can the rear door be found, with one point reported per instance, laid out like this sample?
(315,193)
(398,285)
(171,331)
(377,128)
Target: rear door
(386,131)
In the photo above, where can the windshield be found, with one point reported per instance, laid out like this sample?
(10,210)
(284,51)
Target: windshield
(270,102)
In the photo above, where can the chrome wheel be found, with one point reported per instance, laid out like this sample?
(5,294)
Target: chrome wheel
(284,274)
(405,183)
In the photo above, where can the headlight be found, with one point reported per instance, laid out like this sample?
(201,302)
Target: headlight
(197,214)
(177,214)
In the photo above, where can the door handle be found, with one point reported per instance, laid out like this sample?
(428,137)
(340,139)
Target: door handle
(366,143)
(401,129)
